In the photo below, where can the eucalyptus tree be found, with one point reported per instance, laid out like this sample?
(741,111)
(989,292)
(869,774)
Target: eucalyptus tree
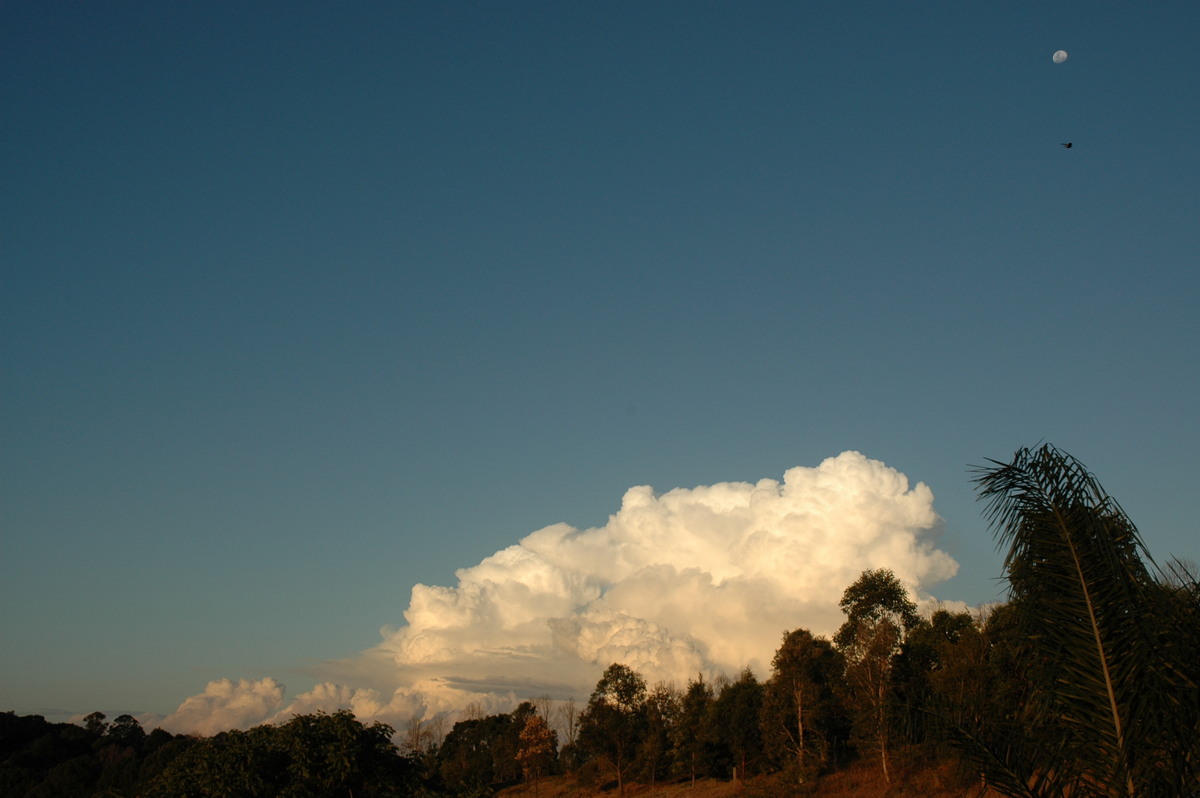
(879,614)
(876,596)
(802,717)
(691,736)
(738,712)
(1113,705)
(939,677)
(662,708)
(613,725)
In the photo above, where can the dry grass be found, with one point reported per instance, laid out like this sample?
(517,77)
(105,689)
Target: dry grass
(859,781)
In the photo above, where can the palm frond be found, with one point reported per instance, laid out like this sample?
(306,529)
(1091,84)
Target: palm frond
(1078,575)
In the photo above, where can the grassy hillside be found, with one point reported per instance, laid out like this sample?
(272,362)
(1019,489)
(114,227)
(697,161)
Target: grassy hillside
(859,781)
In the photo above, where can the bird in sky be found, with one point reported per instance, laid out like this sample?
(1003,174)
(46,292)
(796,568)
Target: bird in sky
(1067,144)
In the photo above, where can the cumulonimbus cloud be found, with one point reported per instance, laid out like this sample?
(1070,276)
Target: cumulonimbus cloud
(700,580)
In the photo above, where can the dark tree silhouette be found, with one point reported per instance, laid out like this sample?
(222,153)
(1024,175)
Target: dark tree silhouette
(1114,707)
(613,725)
(802,718)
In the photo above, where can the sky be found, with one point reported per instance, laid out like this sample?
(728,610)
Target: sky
(400,355)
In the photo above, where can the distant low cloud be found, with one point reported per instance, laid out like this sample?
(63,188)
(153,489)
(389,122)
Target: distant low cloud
(695,580)
(226,704)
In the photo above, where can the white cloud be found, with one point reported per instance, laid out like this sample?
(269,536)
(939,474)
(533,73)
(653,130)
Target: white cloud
(226,704)
(696,580)
(329,697)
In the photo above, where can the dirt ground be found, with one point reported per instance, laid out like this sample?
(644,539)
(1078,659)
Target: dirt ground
(859,781)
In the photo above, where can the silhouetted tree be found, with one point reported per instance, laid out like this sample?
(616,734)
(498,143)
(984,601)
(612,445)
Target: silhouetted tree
(309,756)
(802,717)
(692,737)
(466,759)
(662,714)
(940,679)
(877,595)
(613,725)
(1113,706)
(94,723)
(508,768)
(127,731)
(878,614)
(567,715)
(739,709)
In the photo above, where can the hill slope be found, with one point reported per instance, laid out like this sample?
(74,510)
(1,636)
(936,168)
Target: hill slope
(858,781)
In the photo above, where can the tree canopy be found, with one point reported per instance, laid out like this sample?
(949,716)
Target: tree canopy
(1114,711)
(1085,682)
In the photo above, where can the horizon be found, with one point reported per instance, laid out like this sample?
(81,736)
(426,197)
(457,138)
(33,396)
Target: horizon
(321,323)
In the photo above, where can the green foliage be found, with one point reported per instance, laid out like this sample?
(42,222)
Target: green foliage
(878,615)
(877,595)
(231,763)
(48,759)
(1085,683)
(1111,707)
(692,736)
(868,686)
(466,757)
(803,720)
(481,753)
(739,707)
(939,679)
(613,725)
(309,756)
(661,708)
(621,687)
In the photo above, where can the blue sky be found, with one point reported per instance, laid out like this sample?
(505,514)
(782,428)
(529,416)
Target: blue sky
(303,304)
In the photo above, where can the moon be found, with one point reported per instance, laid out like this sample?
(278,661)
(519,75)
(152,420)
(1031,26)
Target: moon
(1059,56)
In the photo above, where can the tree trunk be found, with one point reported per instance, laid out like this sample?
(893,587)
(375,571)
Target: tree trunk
(800,729)
(883,733)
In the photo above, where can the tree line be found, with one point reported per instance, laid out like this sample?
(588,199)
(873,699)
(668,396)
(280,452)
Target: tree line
(1085,682)
(306,757)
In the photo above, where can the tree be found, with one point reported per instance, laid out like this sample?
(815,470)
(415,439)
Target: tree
(568,721)
(940,678)
(94,723)
(877,595)
(868,687)
(801,715)
(333,754)
(690,736)
(662,714)
(417,736)
(481,752)
(50,759)
(536,750)
(309,756)
(613,724)
(1114,704)
(466,758)
(508,768)
(738,709)
(126,730)
(878,614)
(230,763)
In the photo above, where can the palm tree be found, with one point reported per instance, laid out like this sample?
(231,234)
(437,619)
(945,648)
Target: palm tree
(1112,702)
